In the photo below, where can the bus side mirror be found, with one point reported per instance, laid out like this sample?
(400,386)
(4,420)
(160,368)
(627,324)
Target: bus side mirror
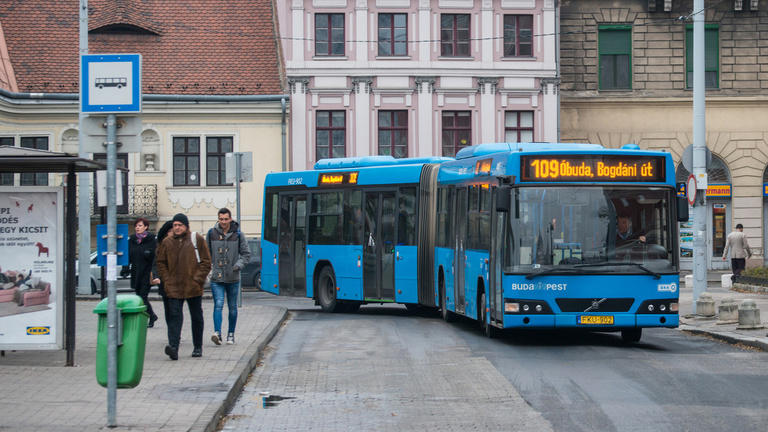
(503,199)
(682,209)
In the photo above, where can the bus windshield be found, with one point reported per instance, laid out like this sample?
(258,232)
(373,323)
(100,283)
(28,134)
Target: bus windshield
(589,229)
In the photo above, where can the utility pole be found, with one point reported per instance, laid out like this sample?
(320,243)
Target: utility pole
(84,179)
(699,154)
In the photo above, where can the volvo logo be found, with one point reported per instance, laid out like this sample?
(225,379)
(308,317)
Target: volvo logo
(595,305)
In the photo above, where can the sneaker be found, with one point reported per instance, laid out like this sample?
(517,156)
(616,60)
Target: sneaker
(172,352)
(231,339)
(197,352)
(216,338)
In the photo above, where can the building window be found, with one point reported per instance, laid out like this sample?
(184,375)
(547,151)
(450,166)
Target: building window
(711,56)
(329,34)
(6,179)
(615,46)
(216,149)
(454,35)
(186,161)
(393,34)
(457,130)
(34,179)
(518,126)
(330,136)
(393,133)
(518,35)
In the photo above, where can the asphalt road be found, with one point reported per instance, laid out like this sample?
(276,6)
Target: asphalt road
(384,369)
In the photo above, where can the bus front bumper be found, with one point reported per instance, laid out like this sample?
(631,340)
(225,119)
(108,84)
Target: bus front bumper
(619,320)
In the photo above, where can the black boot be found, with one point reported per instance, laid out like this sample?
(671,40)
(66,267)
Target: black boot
(172,352)
(197,352)
(152,320)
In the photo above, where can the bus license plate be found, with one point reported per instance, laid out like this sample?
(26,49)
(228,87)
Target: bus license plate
(596,319)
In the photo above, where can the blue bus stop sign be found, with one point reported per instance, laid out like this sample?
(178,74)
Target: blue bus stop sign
(122,245)
(111,83)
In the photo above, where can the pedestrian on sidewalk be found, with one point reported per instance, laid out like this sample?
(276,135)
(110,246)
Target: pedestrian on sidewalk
(736,242)
(183,261)
(142,246)
(161,234)
(229,253)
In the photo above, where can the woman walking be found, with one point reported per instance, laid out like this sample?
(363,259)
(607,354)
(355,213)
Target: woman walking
(141,254)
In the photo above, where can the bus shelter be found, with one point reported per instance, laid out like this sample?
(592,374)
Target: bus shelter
(24,160)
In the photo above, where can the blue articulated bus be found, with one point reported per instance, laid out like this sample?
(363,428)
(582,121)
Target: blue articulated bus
(558,236)
(348,232)
(513,235)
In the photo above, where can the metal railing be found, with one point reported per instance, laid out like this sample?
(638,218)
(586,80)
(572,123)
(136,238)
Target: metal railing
(141,202)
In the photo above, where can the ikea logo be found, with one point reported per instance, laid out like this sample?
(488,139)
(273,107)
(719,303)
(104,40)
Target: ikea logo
(38,330)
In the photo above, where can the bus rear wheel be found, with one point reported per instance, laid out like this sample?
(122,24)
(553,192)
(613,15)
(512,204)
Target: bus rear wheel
(326,291)
(632,335)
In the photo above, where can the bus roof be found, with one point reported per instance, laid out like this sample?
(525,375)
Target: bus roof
(490,148)
(369,161)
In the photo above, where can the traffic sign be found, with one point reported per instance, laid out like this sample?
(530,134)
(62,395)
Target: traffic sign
(690,189)
(110,83)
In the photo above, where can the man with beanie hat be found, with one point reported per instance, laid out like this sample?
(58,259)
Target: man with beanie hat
(183,263)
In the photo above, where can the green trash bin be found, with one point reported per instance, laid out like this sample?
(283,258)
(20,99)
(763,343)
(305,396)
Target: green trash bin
(130,349)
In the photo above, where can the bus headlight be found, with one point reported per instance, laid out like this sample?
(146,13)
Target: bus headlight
(673,307)
(650,308)
(511,307)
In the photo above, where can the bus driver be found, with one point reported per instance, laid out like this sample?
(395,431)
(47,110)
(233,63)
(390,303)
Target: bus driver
(624,233)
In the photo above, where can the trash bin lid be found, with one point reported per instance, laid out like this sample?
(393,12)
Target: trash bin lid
(127,303)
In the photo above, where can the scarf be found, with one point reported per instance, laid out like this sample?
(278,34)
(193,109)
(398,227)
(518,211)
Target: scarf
(142,236)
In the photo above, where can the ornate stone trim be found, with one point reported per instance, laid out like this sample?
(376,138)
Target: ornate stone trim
(482,81)
(545,83)
(357,81)
(303,81)
(419,80)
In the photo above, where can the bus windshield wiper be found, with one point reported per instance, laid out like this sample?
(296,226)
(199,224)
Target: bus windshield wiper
(552,270)
(618,263)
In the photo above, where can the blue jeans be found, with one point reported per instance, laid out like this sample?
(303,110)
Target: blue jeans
(219,289)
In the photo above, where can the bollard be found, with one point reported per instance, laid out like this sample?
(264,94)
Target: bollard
(725,281)
(689,281)
(705,306)
(749,315)
(728,311)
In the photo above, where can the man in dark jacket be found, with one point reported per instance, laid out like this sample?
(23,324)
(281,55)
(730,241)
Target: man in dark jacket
(183,263)
(229,253)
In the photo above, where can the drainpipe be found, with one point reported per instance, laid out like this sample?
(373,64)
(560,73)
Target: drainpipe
(285,150)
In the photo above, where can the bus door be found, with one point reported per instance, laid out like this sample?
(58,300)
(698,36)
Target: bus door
(461,238)
(292,247)
(498,237)
(379,245)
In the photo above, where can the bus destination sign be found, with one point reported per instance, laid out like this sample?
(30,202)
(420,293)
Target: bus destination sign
(592,168)
(338,178)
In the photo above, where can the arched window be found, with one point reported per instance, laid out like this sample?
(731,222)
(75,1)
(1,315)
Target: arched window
(717,173)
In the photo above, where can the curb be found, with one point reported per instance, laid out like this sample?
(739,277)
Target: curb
(209,419)
(728,337)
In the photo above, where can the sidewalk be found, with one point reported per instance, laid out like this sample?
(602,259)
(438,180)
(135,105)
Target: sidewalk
(39,393)
(709,326)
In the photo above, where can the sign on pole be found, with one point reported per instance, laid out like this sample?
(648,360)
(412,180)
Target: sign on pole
(111,83)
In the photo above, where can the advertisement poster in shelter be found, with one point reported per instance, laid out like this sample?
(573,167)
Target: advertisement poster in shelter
(31,268)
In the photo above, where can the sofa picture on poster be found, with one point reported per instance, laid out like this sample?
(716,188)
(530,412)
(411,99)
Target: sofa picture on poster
(23,292)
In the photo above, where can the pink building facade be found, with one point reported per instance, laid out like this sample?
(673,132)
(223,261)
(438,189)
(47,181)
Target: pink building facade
(416,78)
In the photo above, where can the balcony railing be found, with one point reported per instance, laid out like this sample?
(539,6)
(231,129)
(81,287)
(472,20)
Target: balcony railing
(141,202)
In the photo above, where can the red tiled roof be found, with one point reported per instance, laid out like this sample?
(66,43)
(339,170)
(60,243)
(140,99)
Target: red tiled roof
(222,47)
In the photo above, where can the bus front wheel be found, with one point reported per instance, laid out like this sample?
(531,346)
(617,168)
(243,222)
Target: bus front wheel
(632,335)
(326,290)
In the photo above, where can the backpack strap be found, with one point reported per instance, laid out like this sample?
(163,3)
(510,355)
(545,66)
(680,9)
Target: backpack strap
(194,243)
